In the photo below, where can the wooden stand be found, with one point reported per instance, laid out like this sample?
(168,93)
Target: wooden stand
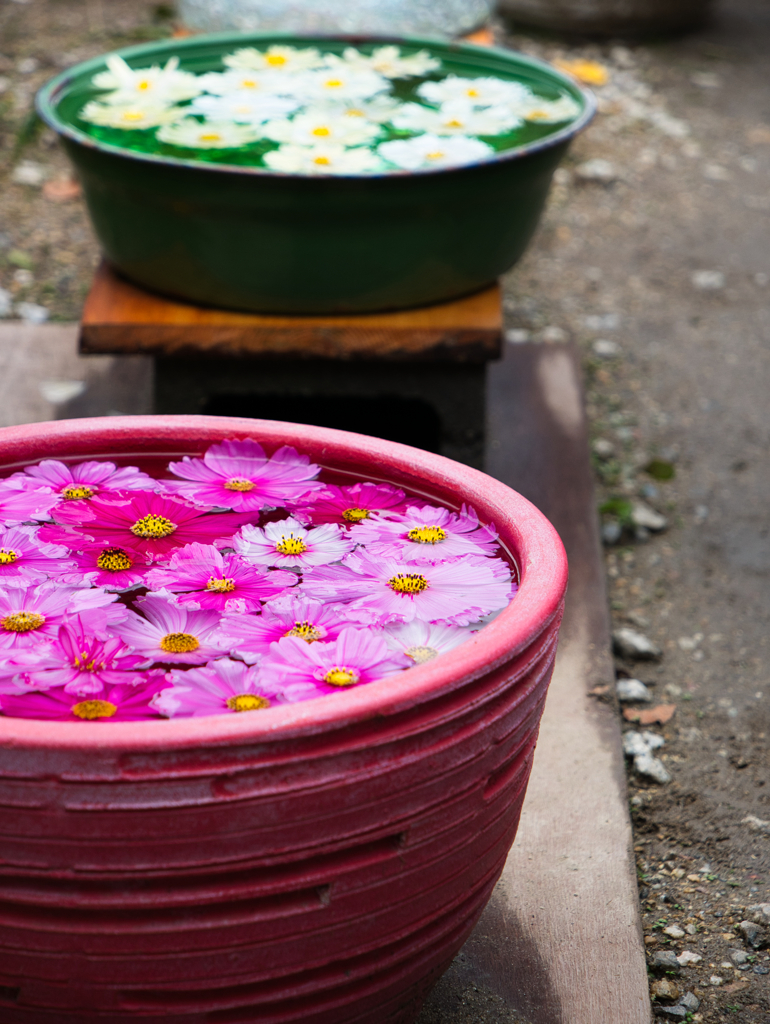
(416,376)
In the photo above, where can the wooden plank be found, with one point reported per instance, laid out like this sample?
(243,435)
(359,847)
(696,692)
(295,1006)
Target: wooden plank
(120,317)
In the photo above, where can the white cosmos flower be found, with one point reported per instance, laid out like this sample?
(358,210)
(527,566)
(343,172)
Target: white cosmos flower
(456,118)
(480,92)
(243,107)
(129,115)
(549,111)
(322,126)
(323,159)
(388,61)
(223,83)
(424,641)
(209,135)
(341,83)
(275,58)
(434,151)
(378,109)
(159,86)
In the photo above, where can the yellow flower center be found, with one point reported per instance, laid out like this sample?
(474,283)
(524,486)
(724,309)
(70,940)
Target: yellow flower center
(322,161)
(210,137)
(290,545)
(427,535)
(437,154)
(179,643)
(408,583)
(114,560)
(454,123)
(133,115)
(222,585)
(421,654)
(23,622)
(471,92)
(275,60)
(339,676)
(249,83)
(247,702)
(537,115)
(78,491)
(144,85)
(91,709)
(355,515)
(305,631)
(82,664)
(7,557)
(333,83)
(354,113)
(153,526)
(237,484)
(321,131)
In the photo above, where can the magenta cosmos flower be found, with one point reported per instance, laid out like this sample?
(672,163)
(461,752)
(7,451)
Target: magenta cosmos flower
(205,578)
(346,506)
(250,636)
(427,534)
(118,702)
(83,480)
(34,613)
(164,632)
(24,558)
(290,544)
(103,565)
(424,641)
(458,592)
(20,506)
(221,687)
(151,523)
(78,661)
(238,475)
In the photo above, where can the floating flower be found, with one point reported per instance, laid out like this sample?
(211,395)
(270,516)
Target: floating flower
(322,126)
(24,558)
(118,702)
(456,118)
(347,506)
(457,592)
(378,109)
(166,632)
(205,578)
(424,641)
(321,159)
(427,534)
(390,62)
(355,658)
(434,151)
(342,83)
(150,523)
(222,687)
(247,81)
(477,92)
(29,614)
(83,480)
(282,59)
(289,544)
(239,475)
(191,134)
(549,111)
(159,86)
(250,636)
(130,116)
(18,505)
(243,107)
(102,565)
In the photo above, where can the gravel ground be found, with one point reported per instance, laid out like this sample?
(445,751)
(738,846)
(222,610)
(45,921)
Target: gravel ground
(653,257)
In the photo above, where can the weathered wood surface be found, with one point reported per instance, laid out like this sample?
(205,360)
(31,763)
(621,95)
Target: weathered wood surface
(121,318)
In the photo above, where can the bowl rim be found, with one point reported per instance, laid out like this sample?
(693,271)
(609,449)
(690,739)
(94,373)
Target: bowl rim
(536,545)
(48,96)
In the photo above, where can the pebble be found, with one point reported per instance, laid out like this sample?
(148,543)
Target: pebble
(691,929)
(756,824)
(611,532)
(674,931)
(665,989)
(759,913)
(753,934)
(677,1012)
(635,743)
(653,768)
(607,322)
(629,643)
(687,957)
(708,280)
(31,313)
(597,169)
(738,956)
(606,349)
(517,336)
(664,960)
(761,970)
(6,304)
(715,980)
(24,278)
(647,518)
(632,689)
(28,172)
(603,448)
(27,66)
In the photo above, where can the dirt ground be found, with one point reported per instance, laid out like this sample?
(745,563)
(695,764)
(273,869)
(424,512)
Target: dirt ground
(656,261)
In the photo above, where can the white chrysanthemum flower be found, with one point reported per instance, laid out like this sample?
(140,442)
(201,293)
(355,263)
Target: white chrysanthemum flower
(322,126)
(379,109)
(549,111)
(388,61)
(434,151)
(479,92)
(456,118)
(129,116)
(275,58)
(159,86)
(210,135)
(341,83)
(322,159)
(243,107)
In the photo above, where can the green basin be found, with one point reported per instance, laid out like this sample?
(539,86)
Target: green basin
(251,239)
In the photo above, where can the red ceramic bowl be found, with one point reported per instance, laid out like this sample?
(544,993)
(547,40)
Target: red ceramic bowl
(318,863)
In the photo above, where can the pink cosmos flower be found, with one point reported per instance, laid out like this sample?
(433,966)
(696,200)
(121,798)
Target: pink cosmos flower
(238,475)
(104,565)
(289,543)
(203,577)
(424,641)
(117,702)
(250,636)
(83,480)
(24,558)
(144,521)
(346,506)
(457,592)
(356,657)
(166,633)
(29,614)
(20,506)
(221,687)
(427,535)
(77,661)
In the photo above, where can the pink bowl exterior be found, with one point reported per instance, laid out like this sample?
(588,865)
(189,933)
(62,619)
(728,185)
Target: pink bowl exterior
(321,862)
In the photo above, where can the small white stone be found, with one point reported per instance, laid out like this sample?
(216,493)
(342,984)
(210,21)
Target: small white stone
(632,689)
(715,980)
(643,515)
(674,931)
(708,280)
(28,172)
(597,169)
(689,643)
(27,66)
(687,957)
(562,176)
(691,929)
(554,335)
(24,278)
(31,312)
(517,336)
(59,391)
(606,349)
(652,767)
(756,824)
(630,643)
(603,448)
